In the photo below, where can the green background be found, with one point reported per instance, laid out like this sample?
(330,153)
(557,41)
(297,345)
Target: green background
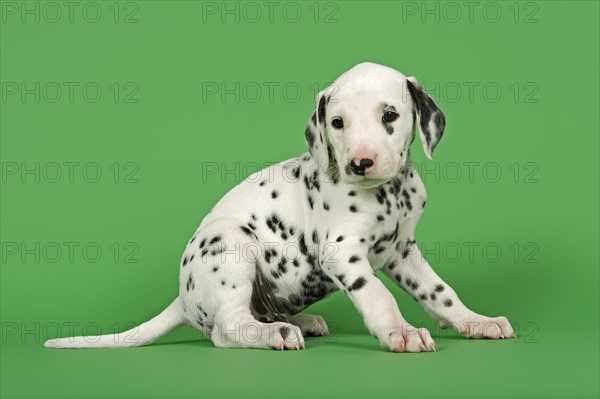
(544,219)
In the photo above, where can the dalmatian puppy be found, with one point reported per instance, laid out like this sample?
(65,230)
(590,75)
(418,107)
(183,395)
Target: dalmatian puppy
(291,235)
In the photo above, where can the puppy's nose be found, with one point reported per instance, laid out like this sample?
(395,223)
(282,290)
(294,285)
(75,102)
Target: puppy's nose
(360,166)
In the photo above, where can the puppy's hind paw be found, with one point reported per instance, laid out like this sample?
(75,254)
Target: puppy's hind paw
(310,325)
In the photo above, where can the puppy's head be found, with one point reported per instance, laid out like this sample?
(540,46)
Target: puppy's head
(363,124)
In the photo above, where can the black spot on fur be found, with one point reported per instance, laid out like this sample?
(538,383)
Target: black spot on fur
(340,239)
(412,284)
(388,127)
(284,331)
(380,195)
(281,266)
(309,136)
(353,208)
(274,194)
(357,284)
(322,109)
(269,255)
(315,180)
(439,288)
(325,206)
(448,303)
(303,247)
(271,225)
(354,259)
(218,251)
(378,247)
(247,231)
(307,182)
(296,173)
(190,283)
(352,193)
(405,194)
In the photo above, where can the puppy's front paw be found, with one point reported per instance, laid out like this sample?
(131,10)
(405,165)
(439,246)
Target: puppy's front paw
(408,339)
(286,336)
(482,327)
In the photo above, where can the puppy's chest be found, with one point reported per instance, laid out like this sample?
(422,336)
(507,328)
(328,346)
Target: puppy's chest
(399,200)
(320,213)
(394,211)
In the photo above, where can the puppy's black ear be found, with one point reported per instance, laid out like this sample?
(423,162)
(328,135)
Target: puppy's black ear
(315,133)
(431,121)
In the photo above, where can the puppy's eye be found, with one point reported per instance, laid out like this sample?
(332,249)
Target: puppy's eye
(389,116)
(337,123)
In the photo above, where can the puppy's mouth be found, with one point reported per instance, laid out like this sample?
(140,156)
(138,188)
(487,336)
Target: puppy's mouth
(370,180)
(369,183)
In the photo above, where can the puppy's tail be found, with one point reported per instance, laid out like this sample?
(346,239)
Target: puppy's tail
(143,334)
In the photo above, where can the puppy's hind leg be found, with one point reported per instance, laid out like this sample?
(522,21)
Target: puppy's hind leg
(234,325)
(241,330)
(217,288)
(310,325)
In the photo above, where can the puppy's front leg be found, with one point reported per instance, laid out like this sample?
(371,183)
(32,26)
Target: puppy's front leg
(351,272)
(413,273)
